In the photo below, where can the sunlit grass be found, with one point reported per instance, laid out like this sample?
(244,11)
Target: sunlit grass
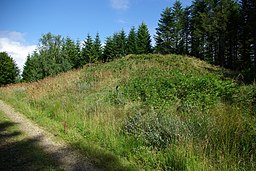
(147,112)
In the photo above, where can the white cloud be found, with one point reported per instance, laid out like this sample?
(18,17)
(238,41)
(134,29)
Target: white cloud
(120,4)
(121,21)
(14,44)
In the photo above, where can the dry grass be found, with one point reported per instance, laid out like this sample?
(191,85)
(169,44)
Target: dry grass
(93,105)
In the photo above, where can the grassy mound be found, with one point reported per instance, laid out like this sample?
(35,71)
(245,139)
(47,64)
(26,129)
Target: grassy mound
(147,112)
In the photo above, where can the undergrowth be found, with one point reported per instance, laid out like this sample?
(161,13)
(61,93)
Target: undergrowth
(147,112)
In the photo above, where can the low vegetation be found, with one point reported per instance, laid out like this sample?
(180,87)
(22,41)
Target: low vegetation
(149,112)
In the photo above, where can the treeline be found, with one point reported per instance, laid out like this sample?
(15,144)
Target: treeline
(222,32)
(56,54)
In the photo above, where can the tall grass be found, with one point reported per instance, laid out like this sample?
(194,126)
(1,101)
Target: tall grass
(147,112)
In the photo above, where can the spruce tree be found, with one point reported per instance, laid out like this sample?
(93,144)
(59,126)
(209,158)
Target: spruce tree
(177,14)
(196,30)
(164,33)
(247,33)
(33,68)
(108,52)
(70,53)
(132,42)
(122,43)
(144,40)
(88,50)
(97,49)
(27,70)
(79,62)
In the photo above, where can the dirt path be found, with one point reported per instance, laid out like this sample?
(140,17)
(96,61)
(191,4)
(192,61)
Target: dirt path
(68,158)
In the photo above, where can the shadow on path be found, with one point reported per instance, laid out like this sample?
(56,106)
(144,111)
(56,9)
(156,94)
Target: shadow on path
(20,153)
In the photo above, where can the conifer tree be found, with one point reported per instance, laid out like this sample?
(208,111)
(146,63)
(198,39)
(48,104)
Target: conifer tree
(8,69)
(97,49)
(70,53)
(79,55)
(132,42)
(144,40)
(164,33)
(177,14)
(33,68)
(108,52)
(88,50)
(122,43)
(247,32)
(197,33)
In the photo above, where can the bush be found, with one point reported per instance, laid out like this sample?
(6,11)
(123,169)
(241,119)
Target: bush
(156,129)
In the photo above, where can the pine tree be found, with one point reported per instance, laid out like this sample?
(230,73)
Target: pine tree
(144,40)
(8,69)
(132,42)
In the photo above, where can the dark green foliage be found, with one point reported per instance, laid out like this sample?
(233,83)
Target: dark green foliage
(87,54)
(220,32)
(122,41)
(33,69)
(132,47)
(144,40)
(97,49)
(164,33)
(172,32)
(70,52)
(8,69)
(51,57)
(248,38)
(78,63)
(197,40)
(178,27)
(109,50)
(119,41)
(54,55)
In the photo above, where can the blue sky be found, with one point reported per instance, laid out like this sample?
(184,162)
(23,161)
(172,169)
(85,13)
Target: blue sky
(22,22)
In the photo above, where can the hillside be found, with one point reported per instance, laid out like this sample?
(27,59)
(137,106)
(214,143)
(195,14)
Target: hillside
(147,112)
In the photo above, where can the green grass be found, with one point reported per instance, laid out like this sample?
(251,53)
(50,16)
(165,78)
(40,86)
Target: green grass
(147,112)
(19,152)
